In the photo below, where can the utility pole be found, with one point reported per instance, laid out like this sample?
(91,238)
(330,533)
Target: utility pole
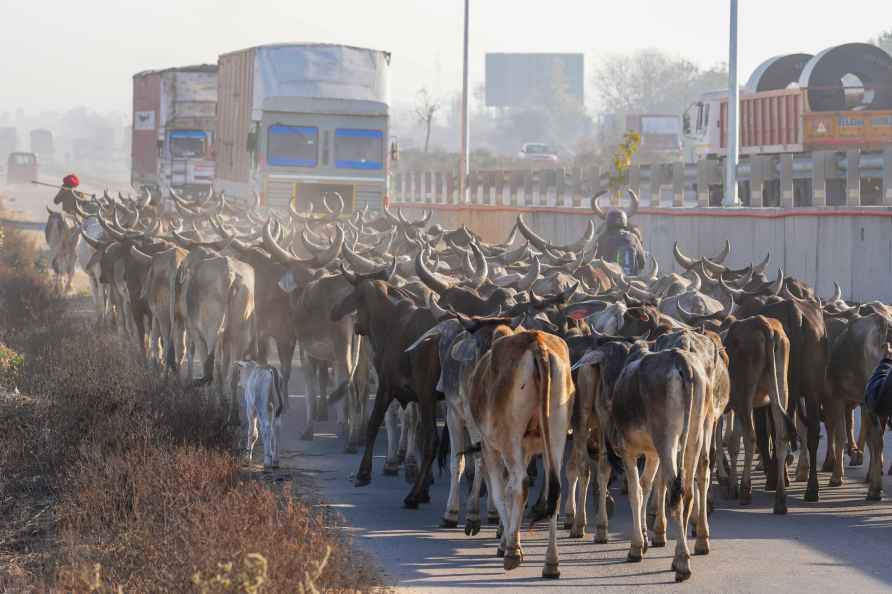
(464,162)
(730,198)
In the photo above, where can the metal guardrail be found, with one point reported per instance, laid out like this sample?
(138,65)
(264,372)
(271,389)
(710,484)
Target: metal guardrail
(817,179)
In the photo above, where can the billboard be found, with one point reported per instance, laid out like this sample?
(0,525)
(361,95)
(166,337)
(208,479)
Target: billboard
(515,79)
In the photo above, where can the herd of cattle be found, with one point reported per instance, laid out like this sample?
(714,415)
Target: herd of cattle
(530,344)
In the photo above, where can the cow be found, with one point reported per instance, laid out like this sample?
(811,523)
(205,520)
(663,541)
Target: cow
(159,291)
(392,322)
(759,356)
(521,398)
(62,237)
(265,398)
(660,407)
(855,355)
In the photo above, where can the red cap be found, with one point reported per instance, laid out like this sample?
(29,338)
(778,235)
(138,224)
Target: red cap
(71,181)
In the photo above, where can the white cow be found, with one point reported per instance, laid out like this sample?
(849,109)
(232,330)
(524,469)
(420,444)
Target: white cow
(264,404)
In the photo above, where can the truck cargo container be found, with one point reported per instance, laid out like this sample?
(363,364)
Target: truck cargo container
(174,122)
(298,122)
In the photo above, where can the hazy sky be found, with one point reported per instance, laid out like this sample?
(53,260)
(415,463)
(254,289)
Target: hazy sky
(60,54)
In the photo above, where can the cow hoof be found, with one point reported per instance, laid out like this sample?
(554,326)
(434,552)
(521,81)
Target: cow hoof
(577,532)
(780,508)
(411,473)
(550,571)
(746,496)
(500,552)
(644,545)
(424,498)
(410,503)
(723,481)
(391,471)
(499,531)
(472,527)
(493,520)
(828,465)
(307,435)
(634,556)
(874,496)
(701,548)
(568,521)
(445,523)
(362,480)
(834,482)
(681,573)
(512,561)
(659,541)
(731,492)
(811,495)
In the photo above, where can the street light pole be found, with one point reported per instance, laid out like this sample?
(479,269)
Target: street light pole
(464,161)
(730,198)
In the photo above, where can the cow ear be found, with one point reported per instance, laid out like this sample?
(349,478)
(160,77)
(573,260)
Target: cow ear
(465,349)
(584,309)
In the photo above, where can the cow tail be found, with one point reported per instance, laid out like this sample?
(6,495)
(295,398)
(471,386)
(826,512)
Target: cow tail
(686,374)
(443,448)
(281,394)
(792,434)
(543,369)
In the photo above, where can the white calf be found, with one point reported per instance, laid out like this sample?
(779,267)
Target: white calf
(264,403)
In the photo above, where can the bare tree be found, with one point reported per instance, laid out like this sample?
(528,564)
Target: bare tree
(426,107)
(884,40)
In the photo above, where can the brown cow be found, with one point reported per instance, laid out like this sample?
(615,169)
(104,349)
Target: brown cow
(522,396)
(759,354)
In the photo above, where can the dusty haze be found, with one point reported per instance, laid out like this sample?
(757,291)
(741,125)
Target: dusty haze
(58,55)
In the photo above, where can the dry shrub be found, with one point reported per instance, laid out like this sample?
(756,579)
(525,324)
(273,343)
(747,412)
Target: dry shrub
(180,518)
(21,252)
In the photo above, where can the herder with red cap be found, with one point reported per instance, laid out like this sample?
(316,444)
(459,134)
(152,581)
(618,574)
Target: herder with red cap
(66,196)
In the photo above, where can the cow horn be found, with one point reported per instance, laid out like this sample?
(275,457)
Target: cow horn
(787,294)
(426,276)
(351,278)
(713,267)
(531,236)
(684,314)
(481,268)
(778,284)
(357,262)
(257,201)
(597,207)
(760,268)
(654,271)
(731,290)
(722,255)
(696,283)
(280,254)
(96,245)
(633,203)
(323,259)
(433,305)
(683,261)
(532,275)
(340,209)
(116,235)
(837,293)
(140,256)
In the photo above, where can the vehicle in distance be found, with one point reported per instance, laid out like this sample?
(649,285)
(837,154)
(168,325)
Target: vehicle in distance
(537,151)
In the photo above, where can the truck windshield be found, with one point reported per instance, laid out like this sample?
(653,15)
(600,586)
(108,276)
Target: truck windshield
(292,146)
(188,144)
(359,149)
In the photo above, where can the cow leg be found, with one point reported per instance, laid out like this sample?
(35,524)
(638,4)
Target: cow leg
(472,516)
(701,547)
(410,420)
(359,394)
(748,430)
(578,457)
(308,364)
(391,425)
(580,519)
(835,413)
(862,440)
(780,441)
(855,447)
(420,492)
(875,428)
(382,401)
(736,431)
(274,440)
(270,447)
(604,471)
(636,501)
(516,491)
(651,465)
(814,431)
(660,525)
(803,464)
(456,428)
(496,491)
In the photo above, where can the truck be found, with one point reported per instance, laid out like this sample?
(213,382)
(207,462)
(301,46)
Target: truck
(42,144)
(299,123)
(799,103)
(173,129)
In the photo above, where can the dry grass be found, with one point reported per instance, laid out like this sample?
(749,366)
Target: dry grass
(116,478)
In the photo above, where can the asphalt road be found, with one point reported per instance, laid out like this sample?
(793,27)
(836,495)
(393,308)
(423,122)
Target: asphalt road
(841,544)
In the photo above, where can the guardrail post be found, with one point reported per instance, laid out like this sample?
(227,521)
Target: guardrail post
(704,177)
(634,184)
(397,186)
(786,180)
(853,178)
(656,184)
(887,176)
(758,171)
(819,173)
(678,185)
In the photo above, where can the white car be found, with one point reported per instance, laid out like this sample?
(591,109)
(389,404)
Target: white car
(537,151)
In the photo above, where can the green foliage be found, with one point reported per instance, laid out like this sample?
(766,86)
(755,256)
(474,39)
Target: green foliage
(884,40)
(11,364)
(622,161)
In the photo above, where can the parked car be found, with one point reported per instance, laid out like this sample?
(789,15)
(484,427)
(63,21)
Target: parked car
(537,151)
